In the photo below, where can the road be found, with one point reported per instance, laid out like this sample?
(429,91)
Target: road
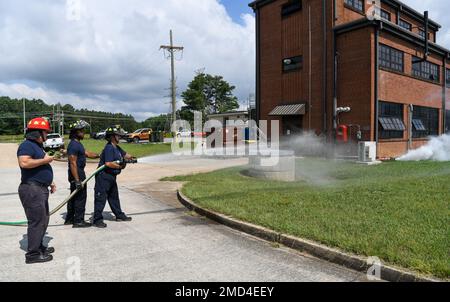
(163,243)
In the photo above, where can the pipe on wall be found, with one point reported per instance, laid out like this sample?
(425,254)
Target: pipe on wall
(410,126)
(444,94)
(376,80)
(325,61)
(335,70)
(258,68)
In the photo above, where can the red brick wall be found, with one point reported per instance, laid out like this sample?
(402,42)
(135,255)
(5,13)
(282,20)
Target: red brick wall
(287,37)
(355,74)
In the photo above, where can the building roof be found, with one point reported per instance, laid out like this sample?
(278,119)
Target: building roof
(393,29)
(410,11)
(395,3)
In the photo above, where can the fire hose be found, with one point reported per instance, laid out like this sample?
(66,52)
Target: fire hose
(72,195)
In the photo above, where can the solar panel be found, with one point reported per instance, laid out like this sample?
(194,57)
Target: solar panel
(418,124)
(398,124)
(392,124)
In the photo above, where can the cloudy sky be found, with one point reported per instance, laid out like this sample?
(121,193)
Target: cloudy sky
(104,54)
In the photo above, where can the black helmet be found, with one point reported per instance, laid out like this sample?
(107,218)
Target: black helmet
(115,130)
(78,125)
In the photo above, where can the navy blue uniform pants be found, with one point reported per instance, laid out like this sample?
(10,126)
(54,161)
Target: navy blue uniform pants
(106,190)
(76,208)
(34,200)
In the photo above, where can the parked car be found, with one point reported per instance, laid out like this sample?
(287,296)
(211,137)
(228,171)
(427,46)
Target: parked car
(100,135)
(139,135)
(184,133)
(54,142)
(199,134)
(230,135)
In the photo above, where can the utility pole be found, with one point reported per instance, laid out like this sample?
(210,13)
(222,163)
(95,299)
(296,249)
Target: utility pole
(172,50)
(53,118)
(24,118)
(57,119)
(62,123)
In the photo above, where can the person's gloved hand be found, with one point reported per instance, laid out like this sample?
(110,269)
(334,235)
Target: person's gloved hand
(78,185)
(123,165)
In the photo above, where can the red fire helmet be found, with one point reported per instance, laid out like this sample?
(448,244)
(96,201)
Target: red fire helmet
(39,123)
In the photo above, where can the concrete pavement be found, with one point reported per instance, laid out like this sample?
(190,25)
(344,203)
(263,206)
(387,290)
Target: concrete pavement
(163,243)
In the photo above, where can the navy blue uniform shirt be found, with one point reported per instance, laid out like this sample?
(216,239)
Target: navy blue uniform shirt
(76,148)
(111,154)
(43,174)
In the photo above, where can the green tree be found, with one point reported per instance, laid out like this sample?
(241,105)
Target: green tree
(11,116)
(208,94)
(157,123)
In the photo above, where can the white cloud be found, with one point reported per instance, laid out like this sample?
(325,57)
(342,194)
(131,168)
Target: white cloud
(107,56)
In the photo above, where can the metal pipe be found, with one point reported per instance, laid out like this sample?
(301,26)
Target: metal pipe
(427,43)
(258,67)
(310,70)
(444,95)
(325,61)
(377,38)
(427,50)
(335,73)
(410,125)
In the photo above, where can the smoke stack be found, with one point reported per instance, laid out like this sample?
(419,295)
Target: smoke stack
(427,43)
(426,35)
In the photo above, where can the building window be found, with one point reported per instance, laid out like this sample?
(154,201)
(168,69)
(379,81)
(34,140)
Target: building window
(425,70)
(422,33)
(385,15)
(425,122)
(291,64)
(405,25)
(391,120)
(356,4)
(291,7)
(447,78)
(447,121)
(391,58)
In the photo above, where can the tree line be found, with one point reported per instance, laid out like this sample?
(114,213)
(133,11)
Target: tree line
(205,93)
(11,116)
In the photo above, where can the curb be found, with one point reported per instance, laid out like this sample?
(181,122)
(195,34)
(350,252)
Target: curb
(353,262)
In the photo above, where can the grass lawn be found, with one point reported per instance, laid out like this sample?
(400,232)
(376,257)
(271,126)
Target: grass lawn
(11,138)
(137,150)
(397,211)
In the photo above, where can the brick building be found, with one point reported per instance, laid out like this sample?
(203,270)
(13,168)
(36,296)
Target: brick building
(315,56)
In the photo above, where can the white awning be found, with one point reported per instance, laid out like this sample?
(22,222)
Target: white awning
(294,109)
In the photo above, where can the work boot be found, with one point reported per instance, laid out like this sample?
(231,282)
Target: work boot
(68,222)
(100,225)
(82,225)
(48,250)
(41,258)
(124,219)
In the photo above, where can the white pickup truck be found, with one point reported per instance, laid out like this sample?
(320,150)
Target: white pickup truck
(54,141)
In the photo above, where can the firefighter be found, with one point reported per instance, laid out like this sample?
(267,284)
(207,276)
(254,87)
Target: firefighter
(37,178)
(106,181)
(77,155)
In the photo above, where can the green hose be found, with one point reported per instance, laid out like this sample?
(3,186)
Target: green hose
(21,223)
